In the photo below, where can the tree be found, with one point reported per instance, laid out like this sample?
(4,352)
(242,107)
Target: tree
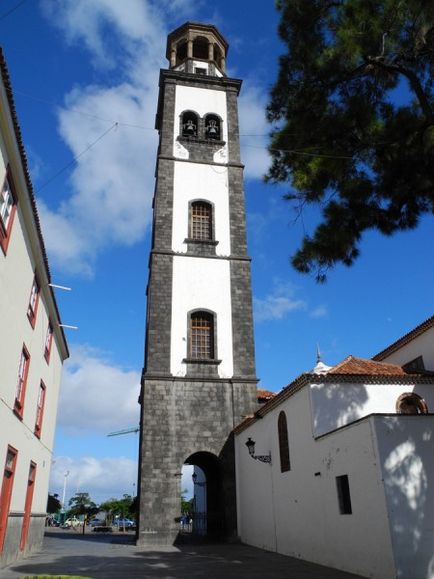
(118,507)
(53,504)
(354,110)
(186,504)
(81,504)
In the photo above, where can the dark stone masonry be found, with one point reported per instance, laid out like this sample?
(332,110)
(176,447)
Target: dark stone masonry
(190,419)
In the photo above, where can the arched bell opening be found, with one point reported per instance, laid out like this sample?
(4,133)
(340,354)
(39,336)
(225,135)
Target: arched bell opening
(206,518)
(200,48)
(218,57)
(181,52)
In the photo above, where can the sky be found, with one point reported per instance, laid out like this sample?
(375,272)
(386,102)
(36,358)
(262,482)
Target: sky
(85,80)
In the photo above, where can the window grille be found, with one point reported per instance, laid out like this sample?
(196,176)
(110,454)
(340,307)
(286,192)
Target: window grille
(201,221)
(201,335)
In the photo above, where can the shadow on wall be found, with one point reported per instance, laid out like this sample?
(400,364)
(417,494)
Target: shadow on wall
(335,405)
(406,446)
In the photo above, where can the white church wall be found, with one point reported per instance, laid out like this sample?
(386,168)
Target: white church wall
(255,489)
(202,101)
(297,513)
(208,281)
(199,181)
(336,405)
(420,346)
(405,450)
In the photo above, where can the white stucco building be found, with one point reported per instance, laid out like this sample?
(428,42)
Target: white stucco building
(33,347)
(351,479)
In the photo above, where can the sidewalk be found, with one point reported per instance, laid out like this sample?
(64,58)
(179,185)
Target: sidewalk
(115,557)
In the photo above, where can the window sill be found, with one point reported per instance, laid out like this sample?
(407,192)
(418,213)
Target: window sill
(201,241)
(32,318)
(18,411)
(201,140)
(207,361)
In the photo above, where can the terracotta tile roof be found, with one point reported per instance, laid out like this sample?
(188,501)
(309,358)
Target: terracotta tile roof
(5,78)
(353,365)
(350,371)
(417,331)
(264,395)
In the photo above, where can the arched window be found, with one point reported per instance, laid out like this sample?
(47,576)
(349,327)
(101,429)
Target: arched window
(202,336)
(200,48)
(189,124)
(282,429)
(411,403)
(201,221)
(212,127)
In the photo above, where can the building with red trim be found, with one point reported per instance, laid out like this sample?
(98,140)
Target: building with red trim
(33,347)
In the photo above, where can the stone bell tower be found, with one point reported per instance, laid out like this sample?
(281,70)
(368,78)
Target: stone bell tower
(199,378)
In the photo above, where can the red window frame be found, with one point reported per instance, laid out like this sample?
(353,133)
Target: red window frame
(23,372)
(6,491)
(48,343)
(6,228)
(32,309)
(40,409)
(28,505)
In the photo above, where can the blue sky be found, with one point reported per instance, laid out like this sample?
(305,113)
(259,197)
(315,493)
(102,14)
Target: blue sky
(85,80)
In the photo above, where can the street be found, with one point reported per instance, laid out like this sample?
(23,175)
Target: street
(114,556)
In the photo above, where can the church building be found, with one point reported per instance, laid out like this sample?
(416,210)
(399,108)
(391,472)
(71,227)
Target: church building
(199,378)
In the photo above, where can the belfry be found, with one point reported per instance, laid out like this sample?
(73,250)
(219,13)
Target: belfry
(199,378)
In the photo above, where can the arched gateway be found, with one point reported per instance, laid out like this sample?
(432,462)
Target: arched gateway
(199,378)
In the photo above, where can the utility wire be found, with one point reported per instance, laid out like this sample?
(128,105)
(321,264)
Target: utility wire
(75,159)
(142,127)
(2,16)
(84,113)
(303,153)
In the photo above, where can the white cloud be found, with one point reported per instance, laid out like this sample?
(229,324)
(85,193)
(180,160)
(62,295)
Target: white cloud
(113,181)
(253,130)
(97,395)
(102,478)
(319,312)
(278,303)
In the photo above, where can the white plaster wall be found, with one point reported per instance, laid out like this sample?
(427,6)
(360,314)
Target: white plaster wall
(335,405)
(201,283)
(207,182)
(296,513)
(423,345)
(200,64)
(202,101)
(16,277)
(406,449)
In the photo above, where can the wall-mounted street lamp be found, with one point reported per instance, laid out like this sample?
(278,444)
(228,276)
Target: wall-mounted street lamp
(251,448)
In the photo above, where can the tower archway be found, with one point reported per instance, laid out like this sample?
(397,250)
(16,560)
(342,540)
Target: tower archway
(208,517)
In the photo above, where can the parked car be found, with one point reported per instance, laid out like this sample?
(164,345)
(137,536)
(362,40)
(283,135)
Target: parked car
(71,522)
(124,523)
(95,522)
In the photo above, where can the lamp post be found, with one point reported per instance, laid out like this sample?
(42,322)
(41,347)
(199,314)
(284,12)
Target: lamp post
(261,457)
(64,489)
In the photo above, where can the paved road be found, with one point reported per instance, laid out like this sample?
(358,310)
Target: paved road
(115,557)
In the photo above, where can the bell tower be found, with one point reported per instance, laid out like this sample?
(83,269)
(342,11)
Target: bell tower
(199,377)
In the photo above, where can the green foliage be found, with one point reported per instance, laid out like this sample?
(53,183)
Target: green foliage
(186,504)
(123,507)
(353,104)
(81,504)
(53,504)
